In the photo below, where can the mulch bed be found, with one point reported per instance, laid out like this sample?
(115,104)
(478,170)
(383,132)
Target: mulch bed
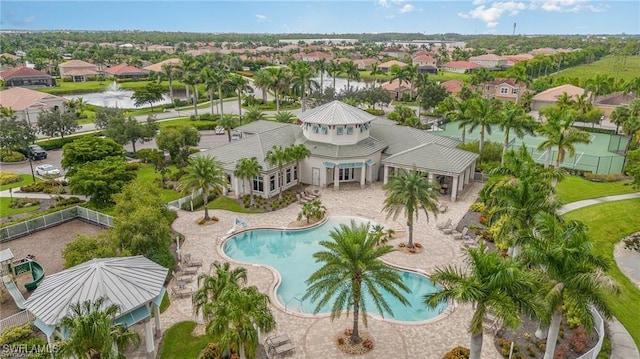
(343,342)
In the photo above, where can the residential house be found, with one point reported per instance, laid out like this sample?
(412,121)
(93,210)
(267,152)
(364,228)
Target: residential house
(397,53)
(161,48)
(26,77)
(460,67)
(490,61)
(347,145)
(453,86)
(28,103)
(77,70)
(159,66)
(365,64)
(397,91)
(503,89)
(608,103)
(425,64)
(124,71)
(385,66)
(550,96)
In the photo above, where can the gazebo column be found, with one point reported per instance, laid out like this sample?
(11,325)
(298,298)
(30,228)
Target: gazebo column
(467,174)
(236,186)
(156,313)
(336,177)
(473,169)
(363,174)
(386,174)
(454,188)
(148,339)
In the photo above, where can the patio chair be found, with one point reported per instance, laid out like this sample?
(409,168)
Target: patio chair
(443,225)
(182,278)
(461,235)
(190,262)
(187,270)
(277,340)
(442,207)
(181,293)
(311,194)
(301,199)
(286,348)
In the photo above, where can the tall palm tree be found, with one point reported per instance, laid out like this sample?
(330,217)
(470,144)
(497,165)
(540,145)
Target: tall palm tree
(190,69)
(620,116)
(278,157)
(241,84)
(513,117)
(221,75)
(483,113)
(254,114)
(280,79)
(491,284)
(204,173)
(351,70)
(565,101)
(352,268)
(210,84)
(211,285)
(563,253)
(93,332)
(297,153)
(169,70)
(559,132)
(412,76)
(320,66)
(455,110)
(409,192)
(248,169)
(374,72)
(262,80)
(303,74)
(334,69)
(400,74)
(227,122)
(599,84)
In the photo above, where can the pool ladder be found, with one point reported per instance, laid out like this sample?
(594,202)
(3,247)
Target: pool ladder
(286,305)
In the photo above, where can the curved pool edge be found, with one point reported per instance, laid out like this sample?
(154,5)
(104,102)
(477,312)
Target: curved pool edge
(273,287)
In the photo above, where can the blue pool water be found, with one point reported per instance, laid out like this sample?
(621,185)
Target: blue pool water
(291,254)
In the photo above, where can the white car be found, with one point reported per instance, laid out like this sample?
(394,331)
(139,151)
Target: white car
(47,170)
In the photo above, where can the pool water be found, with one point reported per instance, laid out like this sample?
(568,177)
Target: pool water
(291,254)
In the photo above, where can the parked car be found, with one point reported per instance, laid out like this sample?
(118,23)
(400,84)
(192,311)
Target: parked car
(235,137)
(36,152)
(47,170)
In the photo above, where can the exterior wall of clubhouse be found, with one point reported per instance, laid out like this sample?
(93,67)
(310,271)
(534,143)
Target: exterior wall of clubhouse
(347,146)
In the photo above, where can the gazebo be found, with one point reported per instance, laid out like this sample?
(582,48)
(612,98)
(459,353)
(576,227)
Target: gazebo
(135,284)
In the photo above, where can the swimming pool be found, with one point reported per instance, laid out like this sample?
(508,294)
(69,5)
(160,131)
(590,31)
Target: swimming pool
(291,254)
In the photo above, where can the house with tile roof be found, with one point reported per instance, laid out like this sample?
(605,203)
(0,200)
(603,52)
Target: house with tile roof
(124,71)
(385,66)
(461,67)
(397,90)
(425,64)
(608,103)
(347,145)
(28,103)
(490,61)
(452,86)
(77,70)
(504,89)
(26,77)
(159,66)
(550,96)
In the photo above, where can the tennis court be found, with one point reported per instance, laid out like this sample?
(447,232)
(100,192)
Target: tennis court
(602,155)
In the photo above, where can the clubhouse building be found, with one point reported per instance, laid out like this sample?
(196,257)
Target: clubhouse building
(347,146)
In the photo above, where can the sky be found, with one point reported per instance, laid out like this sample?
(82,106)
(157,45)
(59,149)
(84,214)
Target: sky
(315,16)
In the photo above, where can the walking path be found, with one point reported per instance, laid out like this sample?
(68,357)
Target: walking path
(623,346)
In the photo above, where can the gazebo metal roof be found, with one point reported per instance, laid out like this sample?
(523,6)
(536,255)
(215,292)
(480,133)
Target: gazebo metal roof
(336,113)
(129,282)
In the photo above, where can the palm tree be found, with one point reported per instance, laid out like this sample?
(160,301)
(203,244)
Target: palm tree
(211,285)
(351,70)
(285,117)
(410,192)
(248,169)
(559,132)
(93,332)
(254,114)
(491,284)
(620,116)
(352,268)
(632,86)
(374,72)
(191,78)
(400,74)
(262,80)
(512,117)
(483,113)
(169,70)
(280,78)
(599,85)
(412,75)
(241,84)
(278,157)
(204,173)
(565,101)
(303,75)
(320,66)
(455,110)
(334,69)
(563,253)
(297,153)
(227,122)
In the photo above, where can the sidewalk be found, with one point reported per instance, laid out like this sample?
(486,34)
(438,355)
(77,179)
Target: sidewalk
(623,345)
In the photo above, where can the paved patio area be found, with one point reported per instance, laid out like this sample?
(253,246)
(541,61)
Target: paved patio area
(313,336)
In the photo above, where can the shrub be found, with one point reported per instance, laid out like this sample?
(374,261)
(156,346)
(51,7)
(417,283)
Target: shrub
(375,112)
(61,201)
(9,177)
(457,353)
(133,166)
(561,351)
(579,340)
(12,156)
(476,207)
(24,202)
(605,178)
(15,334)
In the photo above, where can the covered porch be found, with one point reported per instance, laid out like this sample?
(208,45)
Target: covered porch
(348,172)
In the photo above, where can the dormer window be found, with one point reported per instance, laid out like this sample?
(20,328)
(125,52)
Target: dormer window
(504,90)
(514,91)
(324,130)
(340,130)
(349,130)
(314,129)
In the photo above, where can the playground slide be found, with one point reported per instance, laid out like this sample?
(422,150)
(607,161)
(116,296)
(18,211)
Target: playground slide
(13,290)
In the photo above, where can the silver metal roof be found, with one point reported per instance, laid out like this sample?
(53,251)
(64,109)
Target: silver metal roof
(128,282)
(402,138)
(336,113)
(365,147)
(260,126)
(434,157)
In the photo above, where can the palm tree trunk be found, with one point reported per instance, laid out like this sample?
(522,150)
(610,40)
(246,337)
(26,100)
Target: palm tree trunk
(195,101)
(302,99)
(481,144)
(464,130)
(277,101)
(240,107)
(211,100)
(205,200)
(253,203)
(554,328)
(475,346)
(355,335)
(321,81)
(280,180)
(410,244)
(547,161)
(505,148)
(220,99)
(170,89)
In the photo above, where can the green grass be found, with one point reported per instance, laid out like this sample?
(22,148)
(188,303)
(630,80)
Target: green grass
(441,76)
(165,302)
(26,179)
(147,175)
(608,223)
(6,211)
(574,188)
(613,66)
(179,343)
(65,88)
(230,204)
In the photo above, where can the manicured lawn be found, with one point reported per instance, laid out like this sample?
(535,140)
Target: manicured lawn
(146,174)
(611,66)
(608,223)
(179,343)
(6,211)
(574,188)
(64,88)
(229,204)
(26,180)
(185,121)
(441,76)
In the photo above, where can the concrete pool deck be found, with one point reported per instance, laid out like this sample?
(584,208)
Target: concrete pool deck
(314,337)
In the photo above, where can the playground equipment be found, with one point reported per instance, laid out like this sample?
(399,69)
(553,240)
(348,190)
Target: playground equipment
(14,268)
(13,291)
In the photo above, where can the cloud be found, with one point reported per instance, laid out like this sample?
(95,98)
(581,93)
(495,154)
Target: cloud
(397,1)
(494,11)
(407,8)
(384,3)
(15,20)
(261,18)
(567,5)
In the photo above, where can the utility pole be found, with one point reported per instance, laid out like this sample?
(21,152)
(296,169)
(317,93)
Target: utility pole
(514,29)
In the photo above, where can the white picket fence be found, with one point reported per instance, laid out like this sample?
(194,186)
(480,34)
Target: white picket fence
(177,204)
(18,319)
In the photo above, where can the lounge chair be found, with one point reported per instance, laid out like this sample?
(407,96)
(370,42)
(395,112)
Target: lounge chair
(183,278)
(278,340)
(443,225)
(461,235)
(187,270)
(311,194)
(190,262)
(181,293)
(285,348)
(301,199)
(442,207)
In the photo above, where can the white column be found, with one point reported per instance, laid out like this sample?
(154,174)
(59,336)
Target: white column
(336,177)
(467,174)
(156,313)
(386,174)
(363,174)
(148,339)
(473,169)
(236,186)
(267,186)
(454,188)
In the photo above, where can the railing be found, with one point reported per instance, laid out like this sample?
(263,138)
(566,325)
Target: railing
(16,320)
(177,204)
(599,326)
(53,219)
